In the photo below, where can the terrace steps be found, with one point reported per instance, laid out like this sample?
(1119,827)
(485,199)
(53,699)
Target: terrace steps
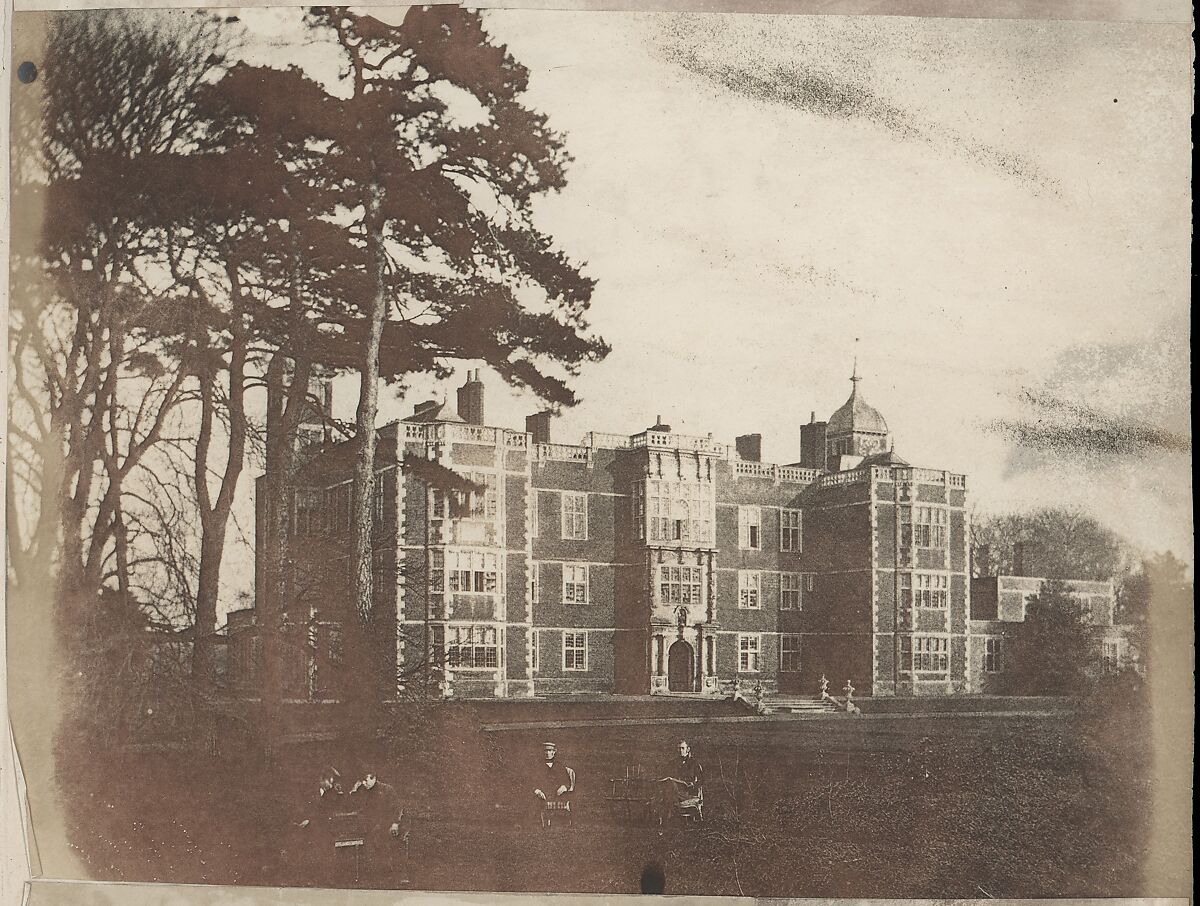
(800,704)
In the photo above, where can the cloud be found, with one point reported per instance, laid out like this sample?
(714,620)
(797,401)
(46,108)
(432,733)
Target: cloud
(1060,428)
(730,55)
(823,277)
(1146,404)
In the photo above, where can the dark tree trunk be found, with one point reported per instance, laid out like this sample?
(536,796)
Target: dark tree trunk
(214,517)
(285,404)
(365,685)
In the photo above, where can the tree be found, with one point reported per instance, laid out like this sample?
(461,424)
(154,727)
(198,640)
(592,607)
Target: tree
(1157,601)
(1157,578)
(99,371)
(92,322)
(437,207)
(267,266)
(280,228)
(1056,543)
(1051,652)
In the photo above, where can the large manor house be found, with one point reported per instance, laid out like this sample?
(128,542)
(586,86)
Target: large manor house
(649,563)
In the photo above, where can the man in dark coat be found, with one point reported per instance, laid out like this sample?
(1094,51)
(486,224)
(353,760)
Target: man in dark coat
(327,801)
(317,824)
(382,820)
(684,785)
(553,785)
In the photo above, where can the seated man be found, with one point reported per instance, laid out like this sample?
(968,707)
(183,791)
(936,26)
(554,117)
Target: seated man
(686,779)
(553,785)
(327,801)
(317,827)
(382,819)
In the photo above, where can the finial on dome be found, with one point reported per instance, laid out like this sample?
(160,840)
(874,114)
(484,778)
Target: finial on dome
(854,377)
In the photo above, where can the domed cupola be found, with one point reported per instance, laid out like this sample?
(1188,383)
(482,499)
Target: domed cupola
(856,430)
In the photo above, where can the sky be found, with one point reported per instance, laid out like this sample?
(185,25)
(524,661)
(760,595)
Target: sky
(993,216)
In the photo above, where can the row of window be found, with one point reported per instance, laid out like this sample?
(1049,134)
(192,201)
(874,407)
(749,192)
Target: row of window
(750,534)
(924,526)
(749,646)
(678,511)
(328,510)
(928,591)
(464,572)
(683,585)
(466,647)
(995,656)
(477,647)
(671,511)
(574,651)
(792,589)
(750,650)
(310,660)
(480,504)
(924,654)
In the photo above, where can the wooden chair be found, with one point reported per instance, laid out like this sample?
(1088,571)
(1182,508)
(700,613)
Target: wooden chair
(349,842)
(555,811)
(633,793)
(687,808)
(692,808)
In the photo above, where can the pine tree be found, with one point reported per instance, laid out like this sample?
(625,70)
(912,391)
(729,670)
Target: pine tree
(418,212)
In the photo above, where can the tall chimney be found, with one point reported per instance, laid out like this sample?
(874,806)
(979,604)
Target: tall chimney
(983,564)
(812,443)
(539,426)
(470,399)
(1018,558)
(749,447)
(316,425)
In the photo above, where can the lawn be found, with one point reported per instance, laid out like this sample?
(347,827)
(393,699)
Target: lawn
(901,806)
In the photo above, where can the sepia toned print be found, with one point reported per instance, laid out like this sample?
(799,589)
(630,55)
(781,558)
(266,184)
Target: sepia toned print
(347,545)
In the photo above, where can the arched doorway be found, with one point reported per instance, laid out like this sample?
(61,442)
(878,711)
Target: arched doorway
(681,668)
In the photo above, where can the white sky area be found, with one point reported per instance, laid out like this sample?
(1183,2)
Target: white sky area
(1009,209)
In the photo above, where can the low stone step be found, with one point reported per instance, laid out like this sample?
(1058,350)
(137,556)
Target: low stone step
(798,705)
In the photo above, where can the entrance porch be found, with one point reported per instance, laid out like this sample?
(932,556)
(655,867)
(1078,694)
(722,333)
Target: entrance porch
(683,661)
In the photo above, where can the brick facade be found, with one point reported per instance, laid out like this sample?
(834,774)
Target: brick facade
(999,613)
(648,563)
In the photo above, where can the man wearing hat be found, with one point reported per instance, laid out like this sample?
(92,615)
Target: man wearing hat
(328,799)
(318,819)
(553,785)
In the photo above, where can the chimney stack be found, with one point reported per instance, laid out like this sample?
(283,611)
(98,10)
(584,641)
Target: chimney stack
(812,443)
(749,447)
(1018,558)
(318,414)
(539,426)
(659,426)
(983,566)
(423,408)
(470,399)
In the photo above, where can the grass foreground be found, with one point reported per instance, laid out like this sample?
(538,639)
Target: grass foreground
(908,806)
